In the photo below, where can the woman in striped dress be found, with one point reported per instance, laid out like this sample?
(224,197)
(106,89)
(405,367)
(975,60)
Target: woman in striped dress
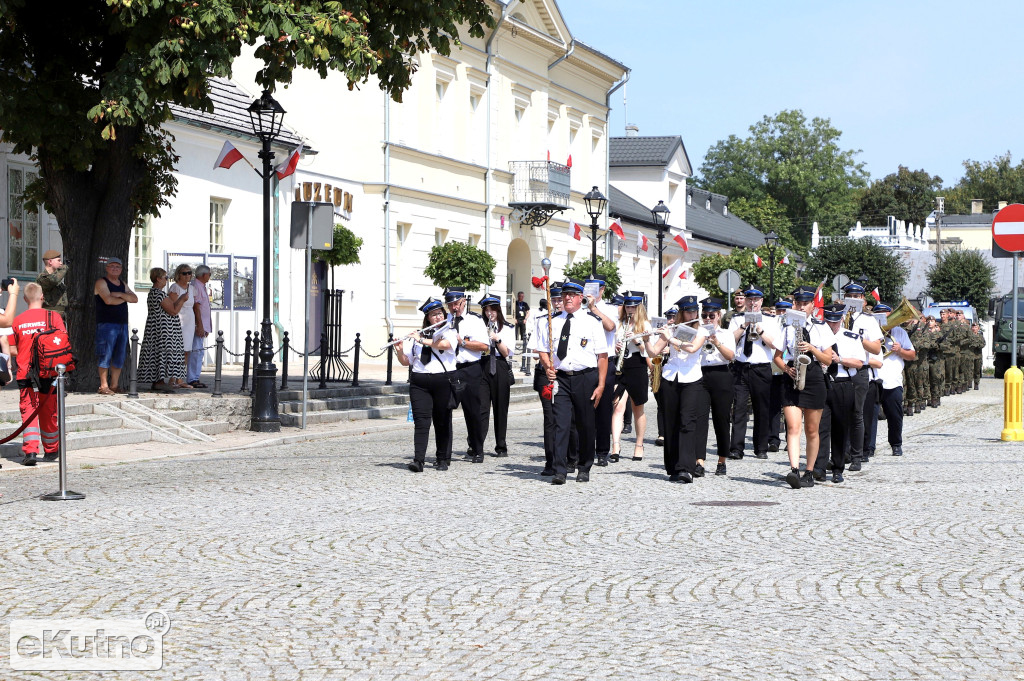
(162,358)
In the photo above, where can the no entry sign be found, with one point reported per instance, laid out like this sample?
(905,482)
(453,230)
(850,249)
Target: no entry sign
(1008,228)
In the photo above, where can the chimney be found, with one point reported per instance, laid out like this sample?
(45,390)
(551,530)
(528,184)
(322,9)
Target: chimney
(1002,205)
(976,207)
(632,130)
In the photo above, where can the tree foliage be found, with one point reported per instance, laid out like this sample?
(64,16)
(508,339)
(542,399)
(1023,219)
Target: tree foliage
(856,257)
(767,215)
(962,275)
(459,264)
(706,270)
(991,181)
(344,252)
(906,194)
(799,165)
(606,270)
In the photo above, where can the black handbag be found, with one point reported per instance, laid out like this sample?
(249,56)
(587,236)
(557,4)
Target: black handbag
(458,386)
(5,371)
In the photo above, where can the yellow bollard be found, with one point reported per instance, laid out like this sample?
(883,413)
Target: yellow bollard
(1013,428)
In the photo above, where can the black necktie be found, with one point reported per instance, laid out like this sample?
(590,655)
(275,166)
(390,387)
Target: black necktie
(748,344)
(494,358)
(563,339)
(425,355)
(457,320)
(833,369)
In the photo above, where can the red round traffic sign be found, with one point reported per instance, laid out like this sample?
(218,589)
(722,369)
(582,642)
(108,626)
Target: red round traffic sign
(1008,228)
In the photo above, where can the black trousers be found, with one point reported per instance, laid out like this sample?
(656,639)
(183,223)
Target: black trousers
(680,400)
(572,401)
(473,377)
(775,410)
(753,381)
(871,400)
(540,380)
(836,427)
(494,393)
(860,393)
(661,410)
(429,396)
(892,405)
(520,329)
(714,398)
(603,415)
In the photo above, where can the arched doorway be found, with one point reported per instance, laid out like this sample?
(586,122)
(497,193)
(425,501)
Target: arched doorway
(517,267)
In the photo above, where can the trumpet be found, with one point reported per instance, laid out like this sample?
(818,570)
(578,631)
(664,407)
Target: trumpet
(432,327)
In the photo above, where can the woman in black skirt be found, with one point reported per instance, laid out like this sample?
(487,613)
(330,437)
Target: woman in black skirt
(432,358)
(498,378)
(813,339)
(634,378)
(716,380)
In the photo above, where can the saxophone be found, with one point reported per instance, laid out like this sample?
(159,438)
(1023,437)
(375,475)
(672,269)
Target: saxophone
(801,361)
(621,336)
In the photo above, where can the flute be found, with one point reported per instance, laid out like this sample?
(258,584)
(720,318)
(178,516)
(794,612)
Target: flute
(432,327)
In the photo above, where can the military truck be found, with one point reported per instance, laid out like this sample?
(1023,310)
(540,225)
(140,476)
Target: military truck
(1002,331)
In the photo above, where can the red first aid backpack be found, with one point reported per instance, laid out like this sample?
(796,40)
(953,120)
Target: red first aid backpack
(50,348)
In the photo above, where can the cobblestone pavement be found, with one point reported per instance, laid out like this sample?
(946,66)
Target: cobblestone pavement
(331,561)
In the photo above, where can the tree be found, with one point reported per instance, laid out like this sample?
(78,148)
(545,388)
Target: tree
(906,195)
(855,257)
(962,275)
(606,270)
(991,181)
(459,264)
(345,250)
(706,271)
(768,215)
(85,88)
(799,166)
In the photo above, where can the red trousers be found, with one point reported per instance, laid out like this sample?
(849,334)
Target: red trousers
(43,426)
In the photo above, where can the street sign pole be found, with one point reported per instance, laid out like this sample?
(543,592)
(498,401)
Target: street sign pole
(1008,233)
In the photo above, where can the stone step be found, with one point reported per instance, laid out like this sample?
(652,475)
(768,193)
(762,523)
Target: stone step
(344,390)
(107,438)
(343,403)
(9,416)
(211,427)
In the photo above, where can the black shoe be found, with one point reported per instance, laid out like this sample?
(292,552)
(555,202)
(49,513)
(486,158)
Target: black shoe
(897,451)
(793,478)
(500,455)
(837,477)
(613,458)
(415,466)
(807,479)
(583,476)
(51,457)
(720,469)
(868,455)
(735,456)
(571,468)
(698,471)
(818,475)
(479,458)
(855,465)
(674,477)
(773,447)
(660,442)
(442,465)
(547,472)
(29,460)
(684,477)
(602,460)
(559,479)
(627,428)
(761,455)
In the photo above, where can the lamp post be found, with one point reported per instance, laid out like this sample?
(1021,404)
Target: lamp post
(660,214)
(595,202)
(266,116)
(771,240)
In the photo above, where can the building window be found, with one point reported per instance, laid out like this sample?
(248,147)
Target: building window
(142,247)
(218,209)
(22,224)
(474,240)
(474,101)
(403,229)
(441,87)
(440,236)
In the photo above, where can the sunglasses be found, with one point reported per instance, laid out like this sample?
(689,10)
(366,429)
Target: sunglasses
(187,273)
(707,315)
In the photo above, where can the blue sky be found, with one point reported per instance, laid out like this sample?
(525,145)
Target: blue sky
(922,84)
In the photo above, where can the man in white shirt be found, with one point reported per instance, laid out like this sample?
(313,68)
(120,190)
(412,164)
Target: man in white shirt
(541,380)
(608,315)
(836,428)
(472,341)
(752,376)
(578,365)
(900,350)
(865,326)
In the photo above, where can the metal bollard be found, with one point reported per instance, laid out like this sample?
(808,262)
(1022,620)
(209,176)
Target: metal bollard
(284,361)
(218,361)
(1013,418)
(391,354)
(355,363)
(62,451)
(245,362)
(324,357)
(257,344)
(524,367)
(133,375)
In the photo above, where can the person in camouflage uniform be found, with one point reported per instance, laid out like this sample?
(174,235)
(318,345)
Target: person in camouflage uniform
(966,352)
(948,348)
(978,348)
(917,330)
(739,306)
(936,366)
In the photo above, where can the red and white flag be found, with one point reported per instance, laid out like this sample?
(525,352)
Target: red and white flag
(876,295)
(758,261)
(569,162)
(229,156)
(785,260)
(616,229)
(681,240)
(287,167)
(669,272)
(819,302)
(574,231)
(641,241)
(682,275)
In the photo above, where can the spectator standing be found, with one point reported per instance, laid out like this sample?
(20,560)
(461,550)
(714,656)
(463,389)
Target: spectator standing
(161,360)
(522,308)
(204,325)
(112,298)
(55,291)
(181,287)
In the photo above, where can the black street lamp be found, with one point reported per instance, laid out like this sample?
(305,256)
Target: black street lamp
(595,202)
(267,116)
(660,214)
(771,240)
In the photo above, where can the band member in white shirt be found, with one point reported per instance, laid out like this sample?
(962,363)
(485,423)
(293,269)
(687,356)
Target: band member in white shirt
(752,376)
(900,350)
(496,365)
(681,385)
(632,384)
(607,314)
(865,326)
(803,407)
(472,342)
(715,396)
(578,365)
(541,381)
(656,364)
(431,354)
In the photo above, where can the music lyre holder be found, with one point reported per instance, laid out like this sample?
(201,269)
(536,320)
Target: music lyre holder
(63,494)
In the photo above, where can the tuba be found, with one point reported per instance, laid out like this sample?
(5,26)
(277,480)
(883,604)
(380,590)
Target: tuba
(903,312)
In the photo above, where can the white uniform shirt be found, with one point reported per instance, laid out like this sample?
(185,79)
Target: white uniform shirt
(473,328)
(611,312)
(867,327)
(725,338)
(759,353)
(850,347)
(540,328)
(891,372)
(412,351)
(683,366)
(586,341)
(508,339)
(819,334)
(631,347)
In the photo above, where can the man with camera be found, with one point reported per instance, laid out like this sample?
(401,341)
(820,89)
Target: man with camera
(51,279)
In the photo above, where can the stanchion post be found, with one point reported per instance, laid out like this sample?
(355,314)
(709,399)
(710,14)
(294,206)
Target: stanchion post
(62,451)
(133,376)
(391,351)
(355,363)
(285,344)
(218,359)
(245,362)
(256,343)
(323,360)
(1013,381)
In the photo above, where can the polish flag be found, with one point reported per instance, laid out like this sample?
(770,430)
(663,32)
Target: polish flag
(819,302)
(758,261)
(616,229)
(229,156)
(287,167)
(785,260)
(569,162)
(574,231)
(682,275)
(641,241)
(669,272)
(876,295)
(681,240)
(549,155)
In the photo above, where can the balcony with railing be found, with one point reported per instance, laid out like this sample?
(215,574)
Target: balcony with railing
(539,190)
(897,234)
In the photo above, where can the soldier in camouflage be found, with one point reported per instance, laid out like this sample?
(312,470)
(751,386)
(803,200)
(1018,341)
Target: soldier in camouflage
(922,388)
(936,364)
(977,348)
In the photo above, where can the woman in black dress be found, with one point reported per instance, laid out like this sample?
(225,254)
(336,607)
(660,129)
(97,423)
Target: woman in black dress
(162,357)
